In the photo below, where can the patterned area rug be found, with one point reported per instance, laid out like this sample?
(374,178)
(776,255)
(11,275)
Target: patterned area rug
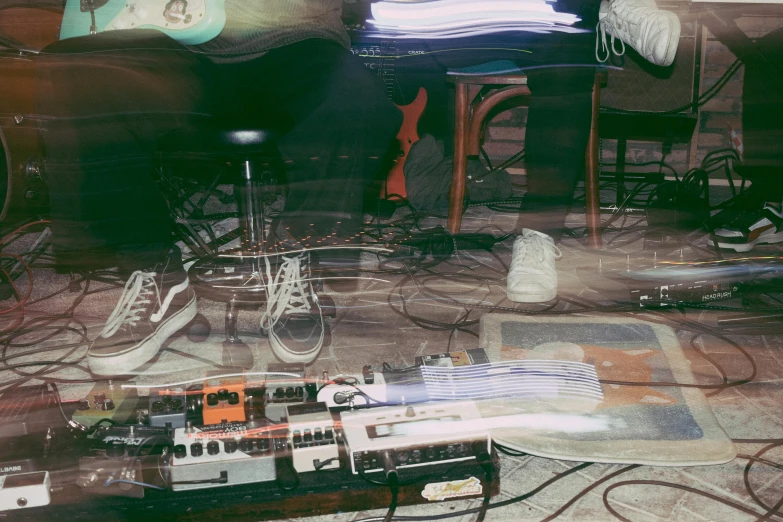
(654,425)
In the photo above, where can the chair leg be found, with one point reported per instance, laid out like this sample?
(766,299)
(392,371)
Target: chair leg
(458,173)
(592,186)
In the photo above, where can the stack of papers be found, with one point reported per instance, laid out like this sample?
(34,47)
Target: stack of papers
(459,18)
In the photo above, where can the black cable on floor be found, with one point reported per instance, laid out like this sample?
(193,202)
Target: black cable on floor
(394,488)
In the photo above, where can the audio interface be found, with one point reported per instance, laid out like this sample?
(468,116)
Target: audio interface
(413,436)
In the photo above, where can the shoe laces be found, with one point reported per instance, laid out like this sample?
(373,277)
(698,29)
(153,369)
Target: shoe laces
(289,291)
(138,294)
(531,252)
(600,39)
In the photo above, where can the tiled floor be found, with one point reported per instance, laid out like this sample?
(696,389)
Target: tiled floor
(368,330)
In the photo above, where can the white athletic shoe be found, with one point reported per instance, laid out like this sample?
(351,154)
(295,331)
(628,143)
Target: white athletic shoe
(532,277)
(653,32)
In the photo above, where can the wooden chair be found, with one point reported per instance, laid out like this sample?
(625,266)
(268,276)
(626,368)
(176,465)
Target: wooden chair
(470,121)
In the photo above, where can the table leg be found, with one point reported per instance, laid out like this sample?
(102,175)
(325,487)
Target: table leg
(592,194)
(458,173)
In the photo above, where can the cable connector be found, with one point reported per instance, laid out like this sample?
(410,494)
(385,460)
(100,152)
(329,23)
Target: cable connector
(389,468)
(77,429)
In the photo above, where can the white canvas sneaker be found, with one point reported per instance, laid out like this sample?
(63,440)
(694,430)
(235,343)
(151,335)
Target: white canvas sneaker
(532,277)
(293,319)
(653,32)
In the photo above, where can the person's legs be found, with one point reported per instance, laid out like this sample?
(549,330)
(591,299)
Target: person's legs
(762,129)
(558,127)
(103,101)
(762,117)
(344,127)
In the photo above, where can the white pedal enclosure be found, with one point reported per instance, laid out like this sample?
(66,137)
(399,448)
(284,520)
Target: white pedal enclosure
(24,490)
(312,437)
(220,455)
(419,435)
(354,391)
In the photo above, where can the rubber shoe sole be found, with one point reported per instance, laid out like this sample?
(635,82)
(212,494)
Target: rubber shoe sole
(747,247)
(124,362)
(531,297)
(282,353)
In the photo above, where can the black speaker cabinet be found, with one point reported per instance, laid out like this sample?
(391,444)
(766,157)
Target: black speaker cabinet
(638,92)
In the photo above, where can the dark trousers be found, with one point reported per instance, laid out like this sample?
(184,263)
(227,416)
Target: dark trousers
(105,101)
(762,118)
(560,71)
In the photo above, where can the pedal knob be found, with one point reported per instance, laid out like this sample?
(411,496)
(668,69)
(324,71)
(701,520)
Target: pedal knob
(180,451)
(196,449)
(107,405)
(230,446)
(157,407)
(213,448)
(222,394)
(289,392)
(84,404)
(212,399)
(233,398)
(246,445)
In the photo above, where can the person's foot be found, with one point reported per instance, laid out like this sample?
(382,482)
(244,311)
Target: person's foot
(154,305)
(750,229)
(532,276)
(293,319)
(654,33)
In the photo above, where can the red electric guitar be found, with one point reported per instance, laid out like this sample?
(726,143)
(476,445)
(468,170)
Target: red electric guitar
(408,135)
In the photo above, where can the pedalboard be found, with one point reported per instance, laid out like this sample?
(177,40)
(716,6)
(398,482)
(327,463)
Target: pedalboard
(168,409)
(221,455)
(413,436)
(224,400)
(24,490)
(106,401)
(312,437)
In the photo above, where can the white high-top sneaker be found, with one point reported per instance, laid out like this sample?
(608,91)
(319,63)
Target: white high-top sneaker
(653,32)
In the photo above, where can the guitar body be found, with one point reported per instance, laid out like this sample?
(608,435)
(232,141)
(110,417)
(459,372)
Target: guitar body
(190,22)
(408,135)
